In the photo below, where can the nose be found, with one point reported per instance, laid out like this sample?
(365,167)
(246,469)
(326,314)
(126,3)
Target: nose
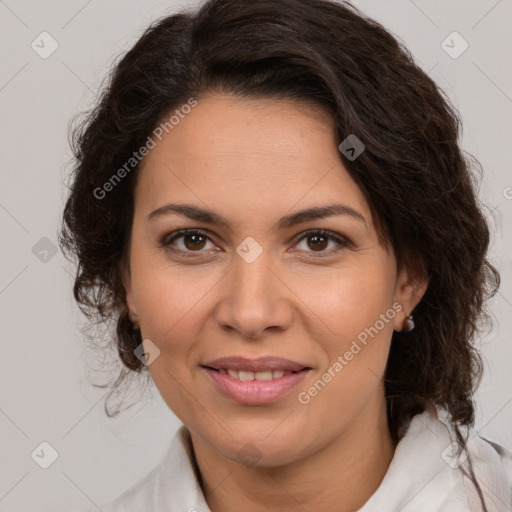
(255,299)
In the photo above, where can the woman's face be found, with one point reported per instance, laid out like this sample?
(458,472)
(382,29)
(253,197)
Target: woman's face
(255,285)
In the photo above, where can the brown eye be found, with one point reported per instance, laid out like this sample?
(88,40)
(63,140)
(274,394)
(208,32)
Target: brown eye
(193,241)
(317,241)
(186,241)
(190,241)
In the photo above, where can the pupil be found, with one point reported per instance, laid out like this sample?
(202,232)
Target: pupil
(195,242)
(320,245)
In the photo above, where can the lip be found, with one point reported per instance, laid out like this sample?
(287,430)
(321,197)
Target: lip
(261,364)
(256,392)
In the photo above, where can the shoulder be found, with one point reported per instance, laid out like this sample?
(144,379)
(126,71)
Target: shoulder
(430,471)
(172,483)
(484,465)
(492,467)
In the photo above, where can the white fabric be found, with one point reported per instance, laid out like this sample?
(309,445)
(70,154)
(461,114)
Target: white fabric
(425,475)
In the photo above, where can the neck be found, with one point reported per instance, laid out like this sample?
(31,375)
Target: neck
(341,476)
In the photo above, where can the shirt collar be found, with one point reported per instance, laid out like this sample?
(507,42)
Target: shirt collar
(425,475)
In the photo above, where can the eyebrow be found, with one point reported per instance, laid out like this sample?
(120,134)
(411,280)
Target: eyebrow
(209,216)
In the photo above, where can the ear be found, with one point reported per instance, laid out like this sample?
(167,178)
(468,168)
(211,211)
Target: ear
(412,283)
(130,302)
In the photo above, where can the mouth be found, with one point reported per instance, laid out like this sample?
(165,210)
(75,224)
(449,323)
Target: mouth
(245,376)
(259,365)
(257,381)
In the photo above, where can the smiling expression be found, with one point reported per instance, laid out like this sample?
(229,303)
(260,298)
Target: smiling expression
(263,178)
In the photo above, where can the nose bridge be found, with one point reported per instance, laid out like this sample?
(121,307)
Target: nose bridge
(253,284)
(256,298)
(252,277)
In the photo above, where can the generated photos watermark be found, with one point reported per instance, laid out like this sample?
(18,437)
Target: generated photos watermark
(304,397)
(137,156)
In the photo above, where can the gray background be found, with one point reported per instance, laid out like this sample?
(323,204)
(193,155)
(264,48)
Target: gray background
(44,392)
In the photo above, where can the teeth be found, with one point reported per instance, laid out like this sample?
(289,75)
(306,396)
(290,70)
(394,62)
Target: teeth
(245,376)
(263,375)
(233,373)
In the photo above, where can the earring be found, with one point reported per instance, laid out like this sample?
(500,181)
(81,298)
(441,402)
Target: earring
(134,319)
(408,324)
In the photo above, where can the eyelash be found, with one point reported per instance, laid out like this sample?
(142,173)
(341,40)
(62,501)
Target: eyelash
(167,240)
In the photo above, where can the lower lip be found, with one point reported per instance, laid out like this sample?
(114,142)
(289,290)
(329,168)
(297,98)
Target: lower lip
(256,392)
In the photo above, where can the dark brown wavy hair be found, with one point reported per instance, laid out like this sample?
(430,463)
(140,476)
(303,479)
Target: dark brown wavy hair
(417,181)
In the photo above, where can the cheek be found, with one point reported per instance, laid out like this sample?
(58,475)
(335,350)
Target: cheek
(169,296)
(335,309)
(171,306)
(348,301)
(353,321)
(174,305)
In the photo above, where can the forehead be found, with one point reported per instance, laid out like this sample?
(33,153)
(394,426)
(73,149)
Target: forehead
(248,154)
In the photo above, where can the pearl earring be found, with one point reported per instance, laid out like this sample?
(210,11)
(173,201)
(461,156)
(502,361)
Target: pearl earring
(408,324)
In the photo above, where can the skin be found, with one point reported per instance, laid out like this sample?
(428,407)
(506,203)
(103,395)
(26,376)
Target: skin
(253,161)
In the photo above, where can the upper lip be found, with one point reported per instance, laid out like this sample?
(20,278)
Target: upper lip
(261,364)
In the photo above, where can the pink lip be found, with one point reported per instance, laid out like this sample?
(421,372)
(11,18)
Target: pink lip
(256,392)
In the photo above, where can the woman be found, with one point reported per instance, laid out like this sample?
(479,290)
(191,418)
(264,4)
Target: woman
(271,203)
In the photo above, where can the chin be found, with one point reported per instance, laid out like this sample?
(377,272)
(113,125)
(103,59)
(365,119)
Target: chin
(258,449)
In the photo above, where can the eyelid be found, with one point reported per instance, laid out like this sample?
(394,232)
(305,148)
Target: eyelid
(331,235)
(342,241)
(166,240)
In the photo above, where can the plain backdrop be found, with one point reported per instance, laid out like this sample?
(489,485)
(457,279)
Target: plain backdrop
(45,394)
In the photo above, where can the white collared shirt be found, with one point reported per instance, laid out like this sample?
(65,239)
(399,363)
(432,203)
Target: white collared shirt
(426,474)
